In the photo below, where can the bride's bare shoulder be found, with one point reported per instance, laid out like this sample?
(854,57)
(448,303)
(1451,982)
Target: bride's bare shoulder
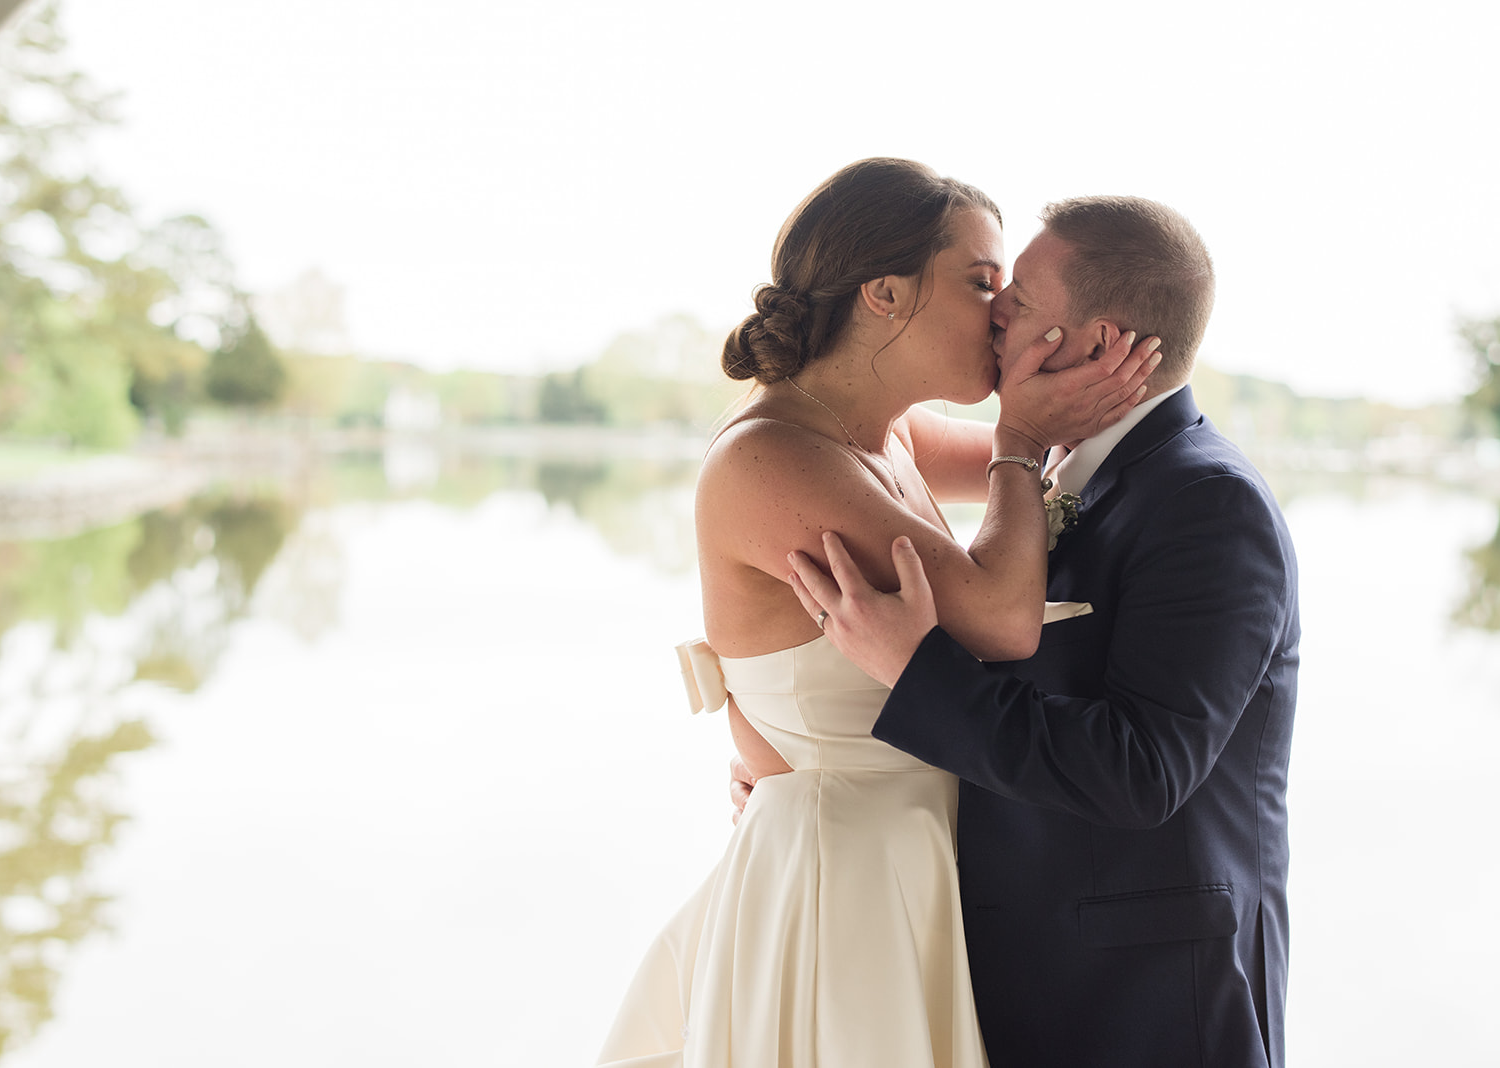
(759,447)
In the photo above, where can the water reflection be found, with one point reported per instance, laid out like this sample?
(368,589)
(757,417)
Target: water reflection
(642,508)
(89,619)
(172,582)
(107,572)
(56,815)
(93,625)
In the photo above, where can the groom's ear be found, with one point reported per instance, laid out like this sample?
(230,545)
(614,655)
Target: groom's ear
(1102,333)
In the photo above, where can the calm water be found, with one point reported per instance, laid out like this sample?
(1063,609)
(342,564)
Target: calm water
(391,766)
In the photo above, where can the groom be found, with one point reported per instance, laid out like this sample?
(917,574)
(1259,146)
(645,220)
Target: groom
(1122,838)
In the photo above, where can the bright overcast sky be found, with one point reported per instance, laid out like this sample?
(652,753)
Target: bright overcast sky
(508,185)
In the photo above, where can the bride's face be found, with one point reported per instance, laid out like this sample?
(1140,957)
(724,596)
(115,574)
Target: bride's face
(952,333)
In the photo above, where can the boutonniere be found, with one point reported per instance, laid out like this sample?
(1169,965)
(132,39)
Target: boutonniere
(1062,515)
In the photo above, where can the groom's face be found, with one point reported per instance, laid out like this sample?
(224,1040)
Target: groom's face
(1035,301)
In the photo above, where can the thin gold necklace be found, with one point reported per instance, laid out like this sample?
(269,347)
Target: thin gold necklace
(886,463)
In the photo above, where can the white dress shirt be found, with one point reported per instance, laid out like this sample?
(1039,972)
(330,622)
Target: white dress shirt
(1078,466)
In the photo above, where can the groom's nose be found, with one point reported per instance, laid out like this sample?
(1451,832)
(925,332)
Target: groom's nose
(998,314)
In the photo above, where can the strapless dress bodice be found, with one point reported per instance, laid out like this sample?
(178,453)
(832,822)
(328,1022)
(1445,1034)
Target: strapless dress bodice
(815,707)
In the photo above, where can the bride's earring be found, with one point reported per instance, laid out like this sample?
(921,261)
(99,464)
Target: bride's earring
(890,315)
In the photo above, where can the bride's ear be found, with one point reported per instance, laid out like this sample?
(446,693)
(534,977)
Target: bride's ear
(882,296)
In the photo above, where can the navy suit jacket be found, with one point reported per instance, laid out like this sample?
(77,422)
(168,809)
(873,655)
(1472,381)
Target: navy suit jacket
(1122,838)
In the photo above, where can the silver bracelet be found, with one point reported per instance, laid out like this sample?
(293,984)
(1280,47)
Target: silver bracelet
(1025,461)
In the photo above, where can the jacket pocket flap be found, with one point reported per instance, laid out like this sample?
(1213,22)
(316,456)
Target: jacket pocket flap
(1181,913)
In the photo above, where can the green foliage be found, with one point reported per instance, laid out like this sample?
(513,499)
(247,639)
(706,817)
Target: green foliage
(58,816)
(102,571)
(248,533)
(77,391)
(1483,336)
(67,579)
(92,338)
(668,374)
(473,398)
(58,377)
(246,372)
(1481,607)
(174,294)
(566,398)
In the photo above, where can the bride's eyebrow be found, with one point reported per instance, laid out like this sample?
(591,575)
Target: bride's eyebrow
(991,264)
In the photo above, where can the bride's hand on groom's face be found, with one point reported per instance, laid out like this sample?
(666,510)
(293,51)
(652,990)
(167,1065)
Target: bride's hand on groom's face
(878,631)
(1095,392)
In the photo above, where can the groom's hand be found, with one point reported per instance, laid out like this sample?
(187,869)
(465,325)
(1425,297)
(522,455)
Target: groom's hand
(741,782)
(878,631)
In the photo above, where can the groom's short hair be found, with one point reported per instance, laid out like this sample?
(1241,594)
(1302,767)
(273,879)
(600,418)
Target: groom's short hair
(1141,264)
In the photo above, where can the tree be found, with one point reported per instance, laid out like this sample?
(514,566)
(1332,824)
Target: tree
(1483,336)
(173,303)
(666,374)
(246,372)
(101,322)
(565,398)
(55,378)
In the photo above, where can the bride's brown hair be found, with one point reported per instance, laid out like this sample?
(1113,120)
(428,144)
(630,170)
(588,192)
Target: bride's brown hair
(873,218)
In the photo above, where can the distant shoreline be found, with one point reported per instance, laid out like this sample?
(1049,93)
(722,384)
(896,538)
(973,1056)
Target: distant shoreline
(75,495)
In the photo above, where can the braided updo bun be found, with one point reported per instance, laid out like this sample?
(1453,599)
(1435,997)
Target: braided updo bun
(771,344)
(873,218)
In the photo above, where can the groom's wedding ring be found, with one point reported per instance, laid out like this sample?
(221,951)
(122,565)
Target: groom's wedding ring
(822,618)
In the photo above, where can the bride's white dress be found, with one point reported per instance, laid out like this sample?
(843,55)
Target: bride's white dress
(830,933)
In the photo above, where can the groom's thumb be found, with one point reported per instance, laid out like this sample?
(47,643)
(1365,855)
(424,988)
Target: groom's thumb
(909,570)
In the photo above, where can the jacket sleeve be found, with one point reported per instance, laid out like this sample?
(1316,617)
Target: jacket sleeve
(1206,598)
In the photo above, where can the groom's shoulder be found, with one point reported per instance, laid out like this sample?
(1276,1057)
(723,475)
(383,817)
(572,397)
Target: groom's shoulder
(1207,465)
(1200,453)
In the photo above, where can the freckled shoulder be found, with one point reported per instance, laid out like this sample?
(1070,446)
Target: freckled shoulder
(767,487)
(761,454)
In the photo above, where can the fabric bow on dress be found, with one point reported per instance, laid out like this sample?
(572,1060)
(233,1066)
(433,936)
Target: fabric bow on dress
(702,676)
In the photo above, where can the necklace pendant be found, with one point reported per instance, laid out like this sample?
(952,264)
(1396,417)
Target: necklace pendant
(900,492)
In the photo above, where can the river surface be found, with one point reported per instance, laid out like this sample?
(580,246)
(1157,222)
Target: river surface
(390,765)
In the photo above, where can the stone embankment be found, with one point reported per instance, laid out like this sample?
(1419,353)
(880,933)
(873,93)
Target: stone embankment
(67,498)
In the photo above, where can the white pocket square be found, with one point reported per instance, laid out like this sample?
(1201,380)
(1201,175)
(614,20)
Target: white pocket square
(1057,610)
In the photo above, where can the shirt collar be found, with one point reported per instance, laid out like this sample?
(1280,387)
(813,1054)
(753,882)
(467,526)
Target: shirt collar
(1076,468)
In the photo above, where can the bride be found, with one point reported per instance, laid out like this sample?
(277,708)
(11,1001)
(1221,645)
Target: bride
(830,933)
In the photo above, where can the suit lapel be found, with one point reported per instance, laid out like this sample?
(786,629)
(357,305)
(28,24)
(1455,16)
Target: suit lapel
(1084,566)
(1172,417)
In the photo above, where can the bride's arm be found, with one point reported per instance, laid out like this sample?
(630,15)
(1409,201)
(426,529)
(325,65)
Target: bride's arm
(950,453)
(769,488)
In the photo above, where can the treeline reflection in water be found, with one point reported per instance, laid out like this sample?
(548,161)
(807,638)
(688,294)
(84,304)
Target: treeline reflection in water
(96,626)
(92,622)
